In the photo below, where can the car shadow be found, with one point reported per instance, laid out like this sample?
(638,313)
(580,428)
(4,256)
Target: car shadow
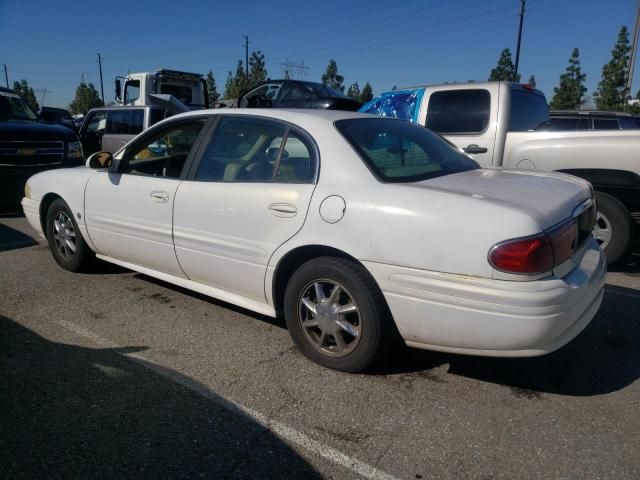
(11,239)
(74,412)
(604,358)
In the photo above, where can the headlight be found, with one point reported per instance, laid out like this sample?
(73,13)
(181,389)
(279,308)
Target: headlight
(27,191)
(74,150)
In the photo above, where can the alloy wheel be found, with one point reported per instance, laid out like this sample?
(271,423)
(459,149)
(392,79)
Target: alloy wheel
(64,235)
(602,230)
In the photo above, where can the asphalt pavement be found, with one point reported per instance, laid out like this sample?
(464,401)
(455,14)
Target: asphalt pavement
(117,375)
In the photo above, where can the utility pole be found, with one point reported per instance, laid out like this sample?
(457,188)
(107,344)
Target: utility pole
(100,67)
(44,92)
(246,55)
(632,56)
(6,77)
(522,2)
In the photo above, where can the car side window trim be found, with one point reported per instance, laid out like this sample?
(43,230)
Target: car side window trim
(119,165)
(288,127)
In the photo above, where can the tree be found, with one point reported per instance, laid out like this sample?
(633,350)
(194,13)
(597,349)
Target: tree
(569,94)
(257,68)
(211,89)
(23,89)
(86,98)
(236,84)
(353,91)
(611,93)
(532,81)
(367,93)
(331,78)
(505,70)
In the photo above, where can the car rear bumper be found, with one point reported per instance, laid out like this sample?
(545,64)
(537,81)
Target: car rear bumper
(478,316)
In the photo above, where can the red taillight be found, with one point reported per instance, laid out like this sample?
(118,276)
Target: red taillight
(523,256)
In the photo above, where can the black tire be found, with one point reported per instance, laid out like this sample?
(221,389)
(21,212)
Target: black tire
(376,327)
(615,214)
(80,260)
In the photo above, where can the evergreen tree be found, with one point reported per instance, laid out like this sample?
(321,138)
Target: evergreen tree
(211,89)
(86,98)
(257,68)
(570,93)
(367,93)
(236,84)
(353,91)
(532,81)
(23,89)
(611,89)
(331,78)
(505,70)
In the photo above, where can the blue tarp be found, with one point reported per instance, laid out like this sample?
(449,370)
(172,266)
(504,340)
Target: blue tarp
(404,104)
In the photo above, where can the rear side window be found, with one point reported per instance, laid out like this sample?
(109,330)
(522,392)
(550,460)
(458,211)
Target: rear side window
(605,124)
(529,111)
(125,122)
(628,122)
(563,124)
(256,150)
(459,111)
(400,151)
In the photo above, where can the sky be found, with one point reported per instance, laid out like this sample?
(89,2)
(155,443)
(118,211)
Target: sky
(52,44)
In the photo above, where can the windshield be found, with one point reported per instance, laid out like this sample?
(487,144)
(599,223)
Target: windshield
(401,151)
(13,107)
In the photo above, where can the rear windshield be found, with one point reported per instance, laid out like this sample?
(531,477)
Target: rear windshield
(400,151)
(529,111)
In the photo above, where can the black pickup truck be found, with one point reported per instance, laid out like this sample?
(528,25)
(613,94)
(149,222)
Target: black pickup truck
(28,146)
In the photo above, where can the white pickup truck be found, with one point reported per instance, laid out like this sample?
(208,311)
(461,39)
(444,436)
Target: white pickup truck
(503,124)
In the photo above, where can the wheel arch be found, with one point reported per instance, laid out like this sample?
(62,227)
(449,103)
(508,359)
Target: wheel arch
(292,260)
(45,203)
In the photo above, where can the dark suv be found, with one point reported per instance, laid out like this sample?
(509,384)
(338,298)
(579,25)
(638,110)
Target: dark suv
(28,146)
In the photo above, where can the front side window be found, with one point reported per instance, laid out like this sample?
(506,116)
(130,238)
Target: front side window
(131,91)
(400,151)
(256,150)
(97,122)
(459,111)
(164,153)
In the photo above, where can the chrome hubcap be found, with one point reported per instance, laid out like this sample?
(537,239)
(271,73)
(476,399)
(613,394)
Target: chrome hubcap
(64,235)
(602,230)
(330,318)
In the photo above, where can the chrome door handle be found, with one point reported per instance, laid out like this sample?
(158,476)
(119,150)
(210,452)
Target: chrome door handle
(284,210)
(159,196)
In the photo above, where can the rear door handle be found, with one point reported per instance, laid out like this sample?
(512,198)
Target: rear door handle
(473,148)
(159,196)
(284,210)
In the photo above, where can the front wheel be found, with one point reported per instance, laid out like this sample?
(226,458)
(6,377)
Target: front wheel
(336,314)
(67,245)
(613,228)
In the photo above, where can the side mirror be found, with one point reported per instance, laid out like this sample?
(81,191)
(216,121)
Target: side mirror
(100,160)
(118,90)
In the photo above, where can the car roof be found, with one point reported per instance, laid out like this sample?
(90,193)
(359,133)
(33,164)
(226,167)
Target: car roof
(293,115)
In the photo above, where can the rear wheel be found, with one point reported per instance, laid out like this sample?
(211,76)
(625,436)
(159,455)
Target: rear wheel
(613,228)
(336,314)
(67,246)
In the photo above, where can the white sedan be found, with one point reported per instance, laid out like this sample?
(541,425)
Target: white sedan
(356,228)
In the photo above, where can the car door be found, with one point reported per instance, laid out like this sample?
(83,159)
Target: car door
(122,125)
(92,131)
(464,117)
(129,211)
(246,196)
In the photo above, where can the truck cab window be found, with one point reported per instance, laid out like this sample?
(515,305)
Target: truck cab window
(131,91)
(459,111)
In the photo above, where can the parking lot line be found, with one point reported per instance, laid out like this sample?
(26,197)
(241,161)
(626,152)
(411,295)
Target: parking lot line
(281,430)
